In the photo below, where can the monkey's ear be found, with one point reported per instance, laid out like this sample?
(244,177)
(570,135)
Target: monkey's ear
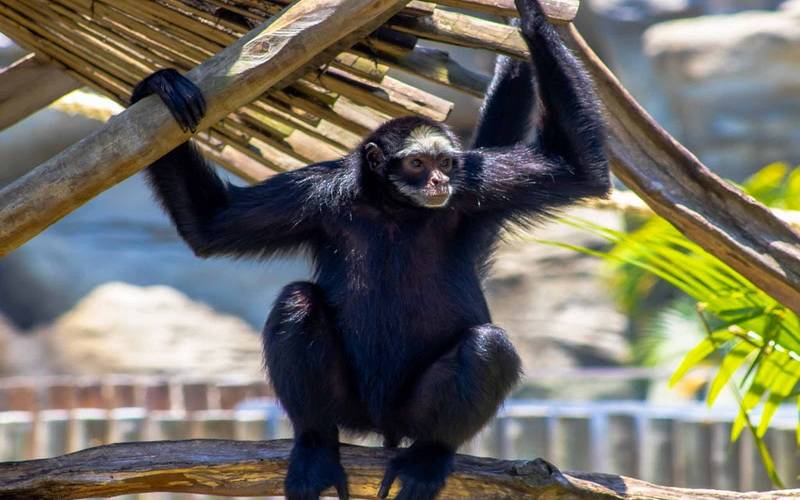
(374,155)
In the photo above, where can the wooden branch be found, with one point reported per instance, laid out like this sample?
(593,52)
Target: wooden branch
(29,85)
(250,468)
(463,30)
(629,203)
(392,97)
(274,52)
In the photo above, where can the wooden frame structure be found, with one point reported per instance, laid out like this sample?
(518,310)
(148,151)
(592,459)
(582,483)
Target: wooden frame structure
(263,89)
(303,85)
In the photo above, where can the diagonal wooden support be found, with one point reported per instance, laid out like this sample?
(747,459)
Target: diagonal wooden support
(252,468)
(29,85)
(303,35)
(715,214)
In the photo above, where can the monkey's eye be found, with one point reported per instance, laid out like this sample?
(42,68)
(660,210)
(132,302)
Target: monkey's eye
(415,163)
(445,164)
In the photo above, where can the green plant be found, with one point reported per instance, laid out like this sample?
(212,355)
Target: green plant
(752,339)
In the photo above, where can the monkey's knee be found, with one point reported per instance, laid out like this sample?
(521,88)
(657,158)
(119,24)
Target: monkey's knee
(296,332)
(296,305)
(489,353)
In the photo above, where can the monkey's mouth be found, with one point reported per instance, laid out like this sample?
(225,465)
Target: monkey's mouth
(437,198)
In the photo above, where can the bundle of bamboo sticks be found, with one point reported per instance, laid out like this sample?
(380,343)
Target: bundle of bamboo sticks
(112,44)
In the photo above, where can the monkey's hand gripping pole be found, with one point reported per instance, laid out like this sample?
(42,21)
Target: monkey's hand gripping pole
(306,34)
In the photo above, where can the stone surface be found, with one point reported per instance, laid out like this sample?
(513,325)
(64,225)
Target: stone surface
(120,328)
(732,82)
(553,302)
(614,28)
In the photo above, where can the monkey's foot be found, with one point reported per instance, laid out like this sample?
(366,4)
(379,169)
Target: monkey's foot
(423,469)
(313,467)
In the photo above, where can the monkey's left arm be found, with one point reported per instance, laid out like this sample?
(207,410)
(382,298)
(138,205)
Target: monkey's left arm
(567,162)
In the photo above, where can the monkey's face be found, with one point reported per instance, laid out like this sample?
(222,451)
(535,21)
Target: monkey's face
(424,178)
(418,163)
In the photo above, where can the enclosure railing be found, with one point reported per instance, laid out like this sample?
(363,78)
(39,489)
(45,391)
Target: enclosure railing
(681,445)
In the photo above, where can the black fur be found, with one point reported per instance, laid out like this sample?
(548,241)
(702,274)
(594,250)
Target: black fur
(394,336)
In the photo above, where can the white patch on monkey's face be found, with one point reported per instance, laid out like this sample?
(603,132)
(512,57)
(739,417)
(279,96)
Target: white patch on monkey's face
(426,140)
(422,197)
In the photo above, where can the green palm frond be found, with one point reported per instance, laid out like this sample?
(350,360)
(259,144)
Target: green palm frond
(754,340)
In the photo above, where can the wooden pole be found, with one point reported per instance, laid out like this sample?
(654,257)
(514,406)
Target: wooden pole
(251,468)
(29,85)
(306,33)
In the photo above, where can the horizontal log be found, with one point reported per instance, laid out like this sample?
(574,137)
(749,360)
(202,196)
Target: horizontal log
(280,49)
(29,85)
(251,468)
(462,30)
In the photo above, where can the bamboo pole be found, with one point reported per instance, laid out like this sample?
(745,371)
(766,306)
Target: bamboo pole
(277,51)
(305,137)
(29,85)
(252,468)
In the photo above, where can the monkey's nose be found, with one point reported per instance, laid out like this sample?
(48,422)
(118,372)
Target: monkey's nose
(439,180)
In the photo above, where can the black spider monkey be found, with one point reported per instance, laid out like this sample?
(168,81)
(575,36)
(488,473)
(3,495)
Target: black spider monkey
(394,335)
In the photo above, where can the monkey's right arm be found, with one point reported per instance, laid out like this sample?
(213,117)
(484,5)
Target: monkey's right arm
(211,215)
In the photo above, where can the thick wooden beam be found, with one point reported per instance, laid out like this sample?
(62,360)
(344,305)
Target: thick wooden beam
(249,468)
(714,213)
(628,203)
(304,34)
(29,85)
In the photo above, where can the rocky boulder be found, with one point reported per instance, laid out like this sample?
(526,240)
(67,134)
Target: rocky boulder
(732,83)
(120,328)
(554,304)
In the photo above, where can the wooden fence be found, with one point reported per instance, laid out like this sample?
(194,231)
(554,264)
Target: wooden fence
(685,445)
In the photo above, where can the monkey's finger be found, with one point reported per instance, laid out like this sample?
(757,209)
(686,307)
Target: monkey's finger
(415,490)
(177,107)
(388,480)
(183,95)
(341,490)
(193,97)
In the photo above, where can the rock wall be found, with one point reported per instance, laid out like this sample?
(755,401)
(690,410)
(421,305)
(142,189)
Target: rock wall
(735,121)
(733,85)
(120,328)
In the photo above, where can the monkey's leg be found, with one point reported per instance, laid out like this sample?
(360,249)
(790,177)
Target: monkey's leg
(449,404)
(307,371)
